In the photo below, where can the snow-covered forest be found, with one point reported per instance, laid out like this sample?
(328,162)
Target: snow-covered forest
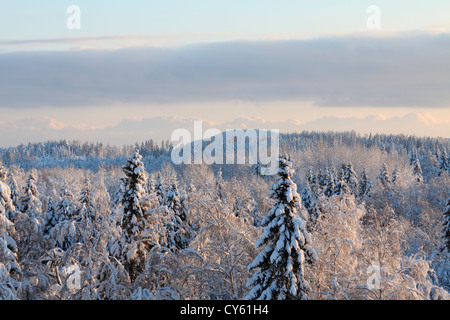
(347,217)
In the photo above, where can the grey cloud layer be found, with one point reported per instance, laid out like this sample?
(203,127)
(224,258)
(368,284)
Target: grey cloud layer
(341,71)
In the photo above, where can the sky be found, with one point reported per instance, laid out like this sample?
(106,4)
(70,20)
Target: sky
(136,70)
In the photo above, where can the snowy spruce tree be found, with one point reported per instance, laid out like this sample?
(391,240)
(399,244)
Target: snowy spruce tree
(365,185)
(329,183)
(131,249)
(60,220)
(87,209)
(15,196)
(159,189)
(30,202)
(351,178)
(446,226)
(176,224)
(5,195)
(9,266)
(417,170)
(384,177)
(286,244)
(444,163)
(29,222)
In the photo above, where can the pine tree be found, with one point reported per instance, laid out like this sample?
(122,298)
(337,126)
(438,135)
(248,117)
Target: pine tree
(446,226)
(280,265)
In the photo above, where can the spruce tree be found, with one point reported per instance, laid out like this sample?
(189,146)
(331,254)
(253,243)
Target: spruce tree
(15,196)
(60,223)
(30,200)
(131,249)
(446,226)
(176,224)
(350,178)
(87,207)
(396,176)
(444,163)
(6,202)
(312,181)
(280,264)
(29,222)
(329,183)
(417,170)
(8,247)
(384,177)
(365,185)
(159,189)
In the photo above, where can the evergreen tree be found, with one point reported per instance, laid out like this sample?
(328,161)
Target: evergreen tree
(60,223)
(280,265)
(396,176)
(87,210)
(5,195)
(3,172)
(446,226)
(159,189)
(365,185)
(444,163)
(340,188)
(131,249)
(350,178)
(329,184)
(176,226)
(321,178)
(50,218)
(30,200)
(150,185)
(417,170)
(312,181)
(29,222)
(8,246)
(384,177)
(15,196)
(309,203)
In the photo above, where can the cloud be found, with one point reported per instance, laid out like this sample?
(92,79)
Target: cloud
(336,71)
